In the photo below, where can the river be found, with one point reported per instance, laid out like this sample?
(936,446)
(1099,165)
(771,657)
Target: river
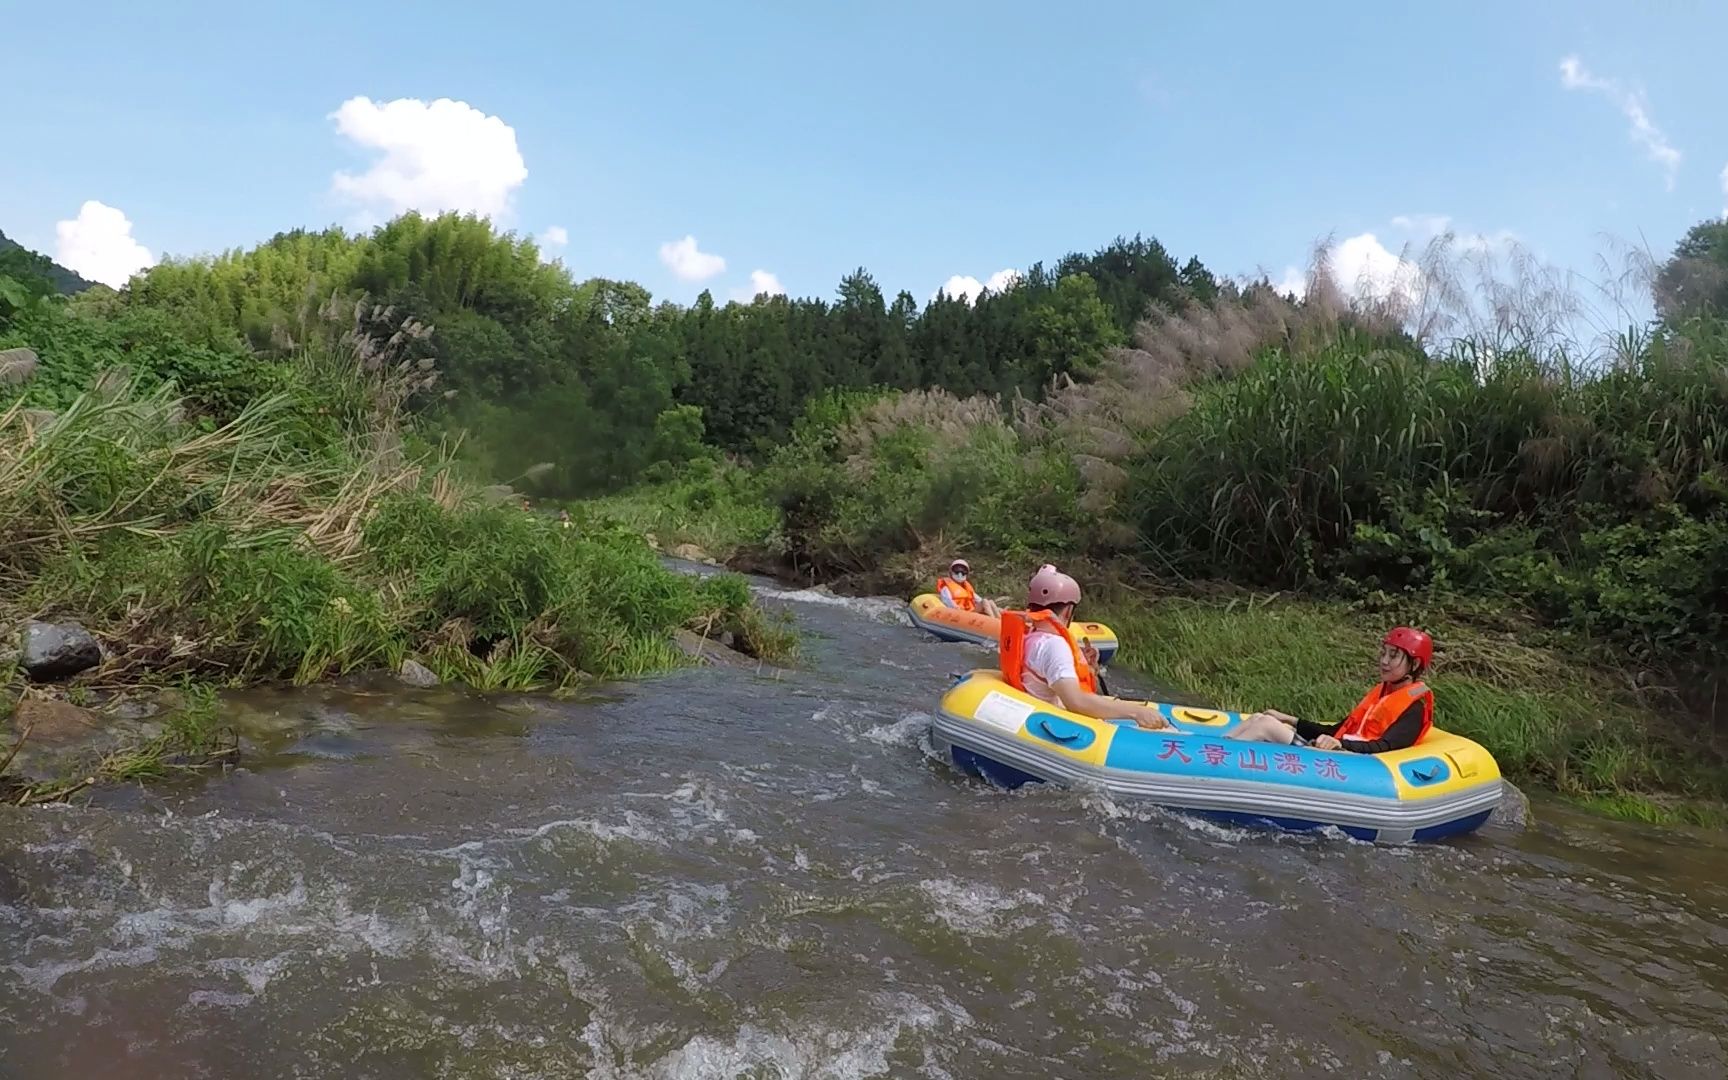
(723,873)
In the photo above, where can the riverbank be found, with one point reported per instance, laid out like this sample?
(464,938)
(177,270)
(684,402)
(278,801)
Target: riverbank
(1554,720)
(310,535)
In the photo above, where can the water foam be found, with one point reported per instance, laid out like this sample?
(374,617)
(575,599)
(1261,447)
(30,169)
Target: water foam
(812,1051)
(880,608)
(977,908)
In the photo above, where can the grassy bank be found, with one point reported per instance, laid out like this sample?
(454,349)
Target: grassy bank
(308,535)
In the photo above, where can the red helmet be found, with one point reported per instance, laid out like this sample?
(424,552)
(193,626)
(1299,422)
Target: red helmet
(1413,641)
(1050,586)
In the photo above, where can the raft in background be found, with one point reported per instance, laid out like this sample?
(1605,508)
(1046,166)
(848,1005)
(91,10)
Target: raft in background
(929,613)
(1443,786)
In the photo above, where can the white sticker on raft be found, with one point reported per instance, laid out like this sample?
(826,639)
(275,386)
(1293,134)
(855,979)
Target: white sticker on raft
(1002,711)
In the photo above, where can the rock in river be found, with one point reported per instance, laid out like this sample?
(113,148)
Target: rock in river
(57,739)
(416,674)
(55,651)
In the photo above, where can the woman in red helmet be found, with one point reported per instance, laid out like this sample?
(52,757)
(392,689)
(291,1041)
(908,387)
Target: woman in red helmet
(1039,656)
(1395,714)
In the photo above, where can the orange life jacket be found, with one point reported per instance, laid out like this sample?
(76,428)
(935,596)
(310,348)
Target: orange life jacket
(1379,710)
(1011,648)
(962,592)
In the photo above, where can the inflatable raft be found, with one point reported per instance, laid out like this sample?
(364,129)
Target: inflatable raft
(1443,786)
(928,612)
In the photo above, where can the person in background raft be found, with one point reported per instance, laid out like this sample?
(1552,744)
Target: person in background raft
(956,591)
(1041,658)
(1395,714)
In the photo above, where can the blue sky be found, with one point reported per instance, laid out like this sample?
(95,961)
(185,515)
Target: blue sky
(920,141)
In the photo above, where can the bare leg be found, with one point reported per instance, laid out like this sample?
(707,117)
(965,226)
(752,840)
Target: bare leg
(989,607)
(1262,727)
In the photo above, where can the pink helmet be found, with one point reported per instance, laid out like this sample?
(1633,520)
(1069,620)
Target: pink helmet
(1050,586)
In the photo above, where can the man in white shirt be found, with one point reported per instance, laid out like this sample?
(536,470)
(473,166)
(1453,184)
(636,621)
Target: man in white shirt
(1050,660)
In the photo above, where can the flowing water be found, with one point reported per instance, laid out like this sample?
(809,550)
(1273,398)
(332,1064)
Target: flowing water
(719,873)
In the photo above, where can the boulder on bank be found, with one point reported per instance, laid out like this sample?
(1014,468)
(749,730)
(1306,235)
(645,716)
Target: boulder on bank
(711,651)
(54,651)
(1513,812)
(692,553)
(417,675)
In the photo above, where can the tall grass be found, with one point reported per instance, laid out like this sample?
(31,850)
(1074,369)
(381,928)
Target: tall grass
(307,537)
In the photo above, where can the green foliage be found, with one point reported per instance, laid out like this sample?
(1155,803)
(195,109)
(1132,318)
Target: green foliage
(21,264)
(902,471)
(590,377)
(298,540)
(1694,282)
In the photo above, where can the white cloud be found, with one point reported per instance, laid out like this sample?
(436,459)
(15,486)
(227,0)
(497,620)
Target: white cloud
(1630,101)
(552,238)
(684,259)
(961,287)
(98,245)
(446,155)
(761,281)
(1364,268)
(968,288)
(1294,282)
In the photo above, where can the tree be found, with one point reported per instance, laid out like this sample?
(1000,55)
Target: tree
(1695,281)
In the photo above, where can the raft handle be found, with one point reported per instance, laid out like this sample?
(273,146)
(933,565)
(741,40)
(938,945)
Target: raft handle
(1426,777)
(1044,725)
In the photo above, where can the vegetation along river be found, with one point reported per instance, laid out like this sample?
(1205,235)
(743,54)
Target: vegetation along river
(734,874)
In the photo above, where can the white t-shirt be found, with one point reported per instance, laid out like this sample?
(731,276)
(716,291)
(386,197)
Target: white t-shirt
(1048,661)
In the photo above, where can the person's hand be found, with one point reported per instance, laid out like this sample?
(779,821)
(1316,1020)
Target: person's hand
(1152,721)
(1327,742)
(1090,652)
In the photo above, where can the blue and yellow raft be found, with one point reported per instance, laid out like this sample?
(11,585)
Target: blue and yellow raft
(1445,785)
(929,613)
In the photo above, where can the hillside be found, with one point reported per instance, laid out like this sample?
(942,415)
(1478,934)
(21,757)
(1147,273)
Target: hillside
(17,260)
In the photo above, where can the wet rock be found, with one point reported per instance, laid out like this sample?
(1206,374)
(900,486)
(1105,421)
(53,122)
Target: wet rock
(710,651)
(54,739)
(55,651)
(54,721)
(416,674)
(1514,810)
(692,553)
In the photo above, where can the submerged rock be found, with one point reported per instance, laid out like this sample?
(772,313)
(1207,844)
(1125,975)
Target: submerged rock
(54,739)
(55,651)
(416,674)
